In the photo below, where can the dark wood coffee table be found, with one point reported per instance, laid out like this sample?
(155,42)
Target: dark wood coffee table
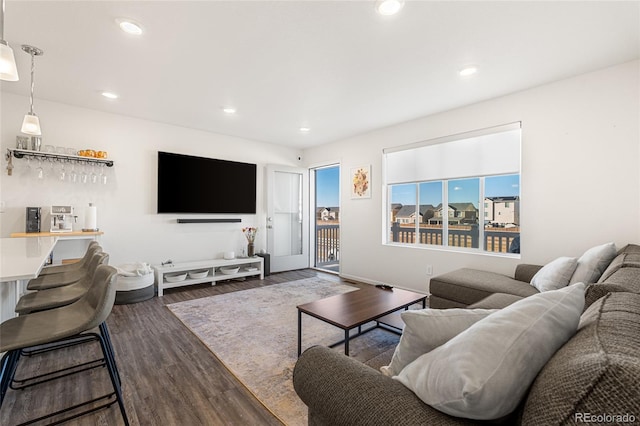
(356,308)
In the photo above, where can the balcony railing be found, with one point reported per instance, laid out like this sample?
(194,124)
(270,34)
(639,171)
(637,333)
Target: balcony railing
(327,245)
(497,241)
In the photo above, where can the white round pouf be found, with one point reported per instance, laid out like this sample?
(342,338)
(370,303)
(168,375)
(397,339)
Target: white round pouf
(134,289)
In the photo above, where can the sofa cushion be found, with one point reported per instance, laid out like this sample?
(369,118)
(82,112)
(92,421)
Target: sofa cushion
(555,274)
(630,248)
(467,286)
(526,271)
(622,280)
(593,262)
(595,372)
(496,301)
(628,257)
(426,329)
(484,372)
(622,275)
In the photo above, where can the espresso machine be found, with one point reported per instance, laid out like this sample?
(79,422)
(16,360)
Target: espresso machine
(62,218)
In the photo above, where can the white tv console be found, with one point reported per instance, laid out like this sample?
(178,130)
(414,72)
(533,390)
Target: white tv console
(249,266)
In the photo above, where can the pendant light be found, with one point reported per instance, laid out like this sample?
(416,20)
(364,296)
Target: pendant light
(8,69)
(31,123)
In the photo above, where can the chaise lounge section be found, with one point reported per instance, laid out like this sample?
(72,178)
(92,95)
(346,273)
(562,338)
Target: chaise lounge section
(464,287)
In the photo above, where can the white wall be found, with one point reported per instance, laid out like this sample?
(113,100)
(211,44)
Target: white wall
(581,157)
(580,162)
(127,204)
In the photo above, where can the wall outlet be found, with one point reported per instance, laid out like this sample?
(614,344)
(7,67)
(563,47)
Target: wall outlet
(429,270)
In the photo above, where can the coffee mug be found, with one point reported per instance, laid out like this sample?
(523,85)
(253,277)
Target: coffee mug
(229,255)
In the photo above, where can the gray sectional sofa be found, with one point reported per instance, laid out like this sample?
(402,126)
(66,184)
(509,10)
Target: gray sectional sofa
(473,288)
(595,373)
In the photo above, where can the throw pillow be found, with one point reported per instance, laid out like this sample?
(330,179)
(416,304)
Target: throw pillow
(593,262)
(555,275)
(485,371)
(427,329)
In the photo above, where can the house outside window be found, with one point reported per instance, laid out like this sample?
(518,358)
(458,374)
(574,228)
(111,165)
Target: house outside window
(494,197)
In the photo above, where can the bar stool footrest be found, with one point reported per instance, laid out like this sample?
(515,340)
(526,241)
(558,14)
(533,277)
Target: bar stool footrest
(53,375)
(52,347)
(73,407)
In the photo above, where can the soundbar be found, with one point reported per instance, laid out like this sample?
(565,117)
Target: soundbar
(209,220)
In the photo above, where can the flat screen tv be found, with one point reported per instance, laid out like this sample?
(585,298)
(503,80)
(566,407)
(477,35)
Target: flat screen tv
(188,184)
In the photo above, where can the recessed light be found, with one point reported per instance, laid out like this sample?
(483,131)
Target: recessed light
(467,71)
(389,7)
(110,95)
(229,110)
(129,26)
(305,129)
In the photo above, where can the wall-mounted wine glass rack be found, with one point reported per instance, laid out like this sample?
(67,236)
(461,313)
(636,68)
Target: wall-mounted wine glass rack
(21,153)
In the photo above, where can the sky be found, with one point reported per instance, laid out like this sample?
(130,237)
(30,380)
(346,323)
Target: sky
(328,187)
(460,191)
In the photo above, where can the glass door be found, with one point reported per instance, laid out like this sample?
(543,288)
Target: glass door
(287,218)
(326,229)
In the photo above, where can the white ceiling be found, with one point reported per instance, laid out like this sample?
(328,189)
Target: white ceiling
(333,66)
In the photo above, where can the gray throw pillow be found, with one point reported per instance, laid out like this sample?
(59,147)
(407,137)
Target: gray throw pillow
(592,263)
(485,371)
(555,275)
(427,329)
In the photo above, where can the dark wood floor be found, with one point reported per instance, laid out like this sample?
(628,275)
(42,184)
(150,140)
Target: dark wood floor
(169,377)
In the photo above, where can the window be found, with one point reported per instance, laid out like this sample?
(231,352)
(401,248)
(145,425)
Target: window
(430,227)
(463,200)
(476,176)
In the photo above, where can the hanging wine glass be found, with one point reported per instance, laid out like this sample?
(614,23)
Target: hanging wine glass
(39,169)
(103,175)
(93,177)
(62,174)
(52,165)
(73,175)
(28,168)
(84,177)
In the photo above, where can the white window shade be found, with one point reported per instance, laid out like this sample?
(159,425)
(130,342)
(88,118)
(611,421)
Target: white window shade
(492,151)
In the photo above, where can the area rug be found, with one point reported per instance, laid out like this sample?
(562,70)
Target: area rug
(254,333)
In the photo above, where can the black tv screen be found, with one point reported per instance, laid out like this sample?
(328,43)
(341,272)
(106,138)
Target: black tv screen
(188,184)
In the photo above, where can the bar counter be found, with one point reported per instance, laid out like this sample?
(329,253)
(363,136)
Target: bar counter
(21,259)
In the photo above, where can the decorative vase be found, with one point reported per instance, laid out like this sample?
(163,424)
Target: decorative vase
(250,250)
